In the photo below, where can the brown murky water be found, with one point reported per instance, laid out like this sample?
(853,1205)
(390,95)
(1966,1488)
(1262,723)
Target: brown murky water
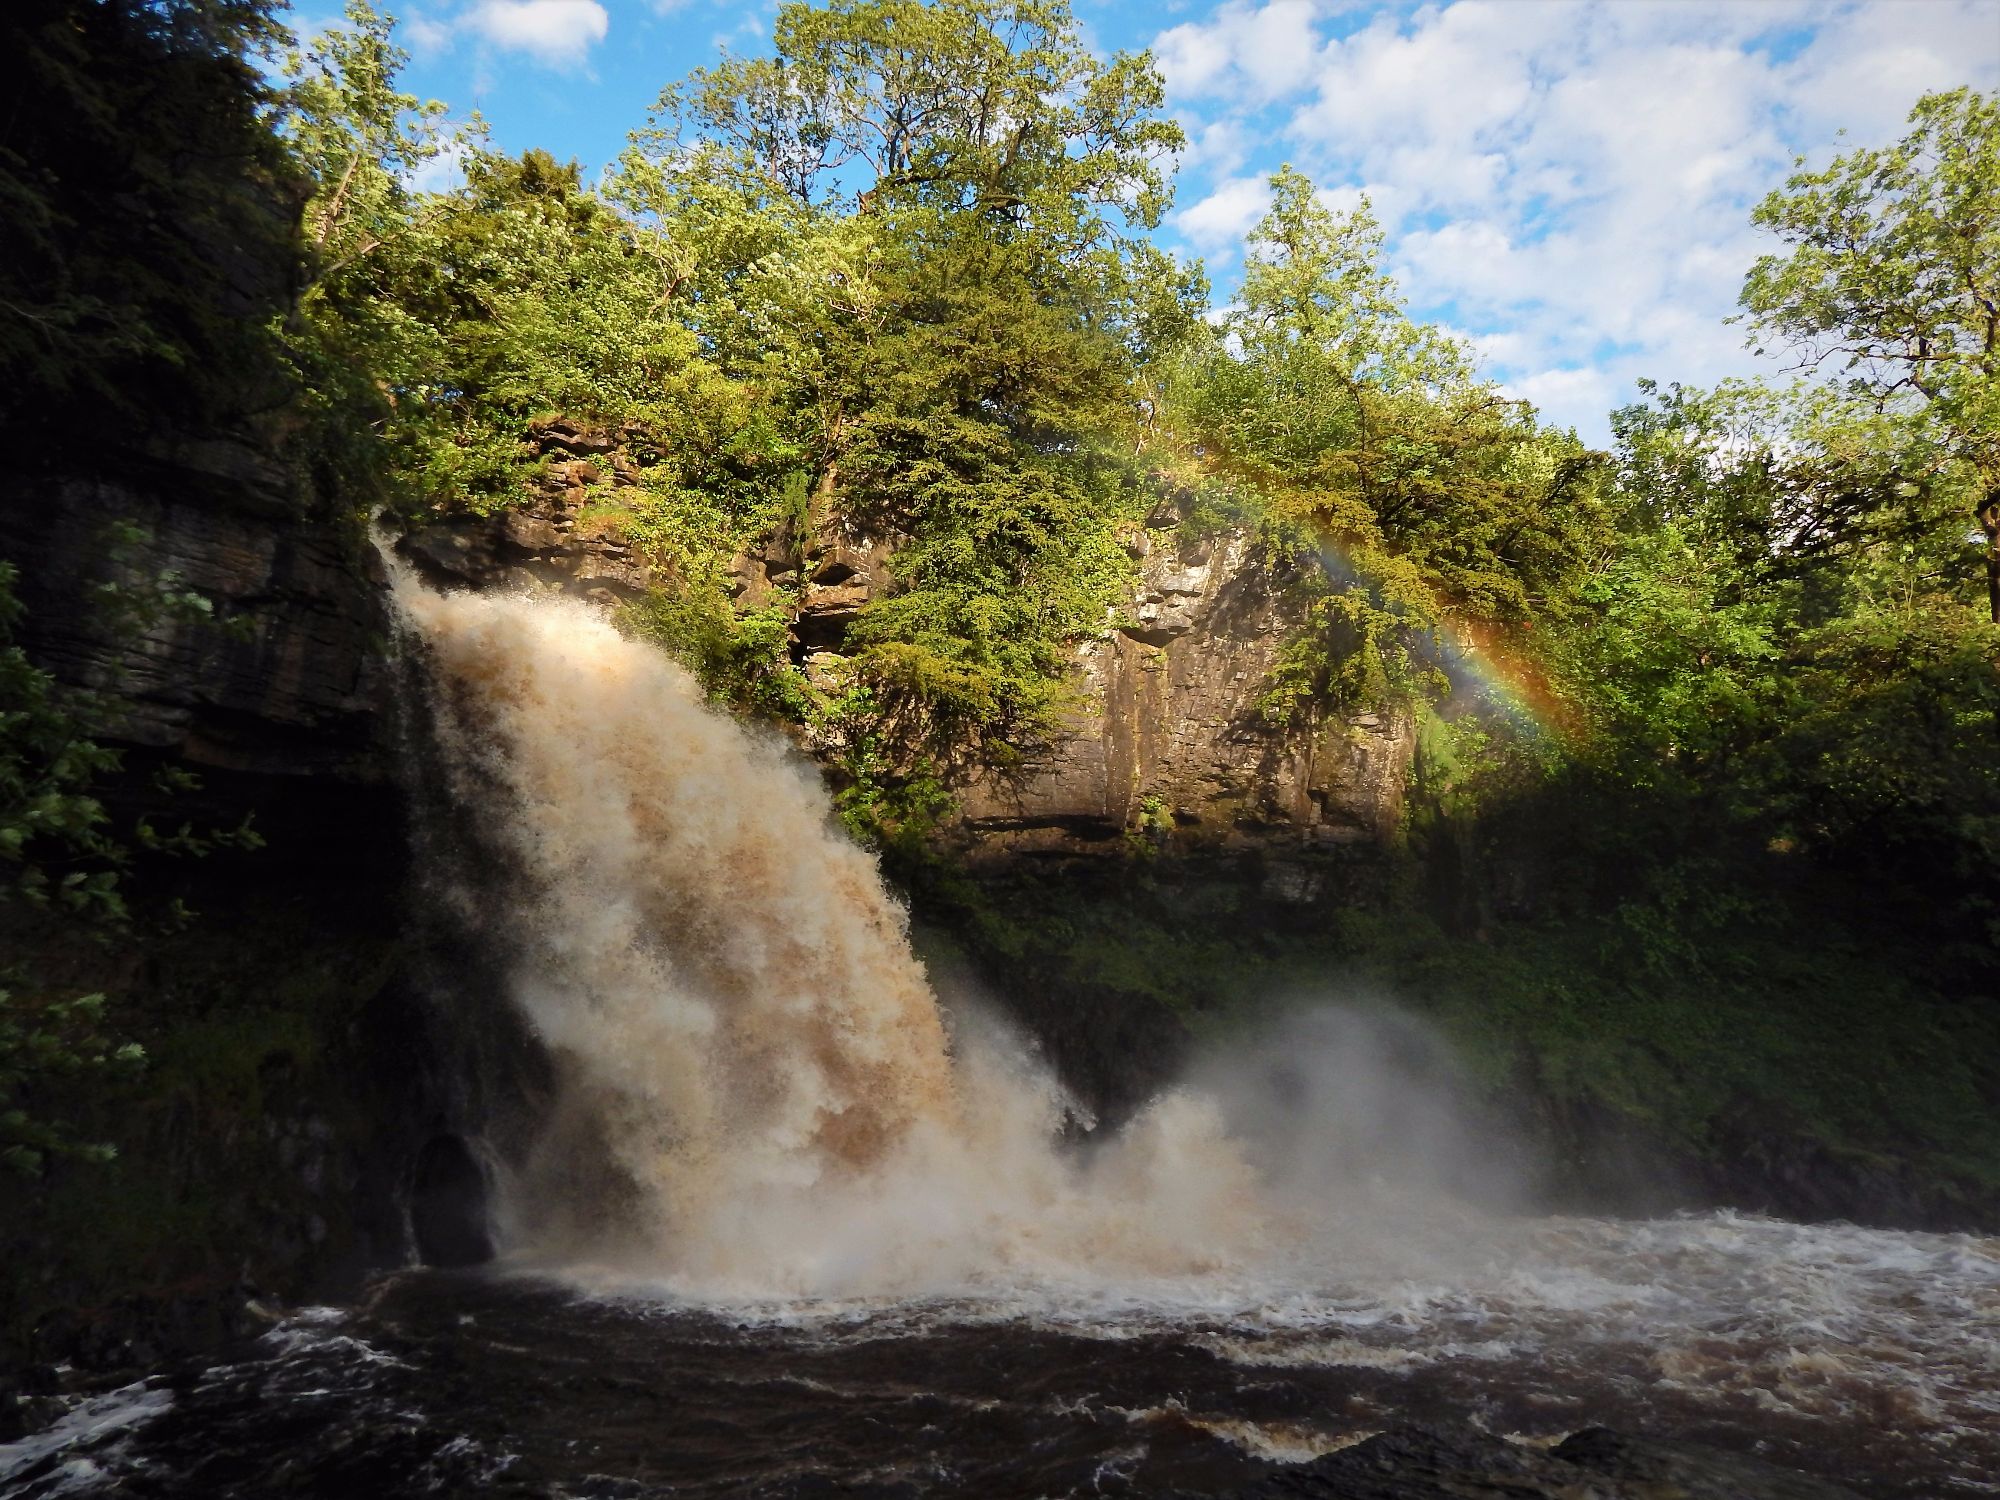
(1870,1357)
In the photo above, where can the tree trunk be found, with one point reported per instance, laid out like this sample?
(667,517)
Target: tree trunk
(1989,519)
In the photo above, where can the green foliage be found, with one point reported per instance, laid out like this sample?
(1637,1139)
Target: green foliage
(148,217)
(58,855)
(740,656)
(1893,279)
(1355,649)
(1780,641)
(1894,274)
(356,141)
(1006,567)
(44,1039)
(1792,1018)
(1414,495)
(1769,656)
(887,281)
(884,796)
(63,870)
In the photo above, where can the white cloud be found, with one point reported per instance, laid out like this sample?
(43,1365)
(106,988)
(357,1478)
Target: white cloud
(1226,214)
(1870,62)
(443,173)
(556,31)
(426,35)
(1564,394)
(1264,51)
(1218,148)
(1568,182)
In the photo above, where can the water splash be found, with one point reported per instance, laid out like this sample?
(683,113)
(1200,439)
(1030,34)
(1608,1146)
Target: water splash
(757,1094)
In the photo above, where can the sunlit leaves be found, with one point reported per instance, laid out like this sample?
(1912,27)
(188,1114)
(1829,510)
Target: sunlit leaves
(1893,285)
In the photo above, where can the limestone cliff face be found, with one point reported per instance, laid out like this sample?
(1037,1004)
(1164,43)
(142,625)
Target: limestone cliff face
(1169,739)
(213,623)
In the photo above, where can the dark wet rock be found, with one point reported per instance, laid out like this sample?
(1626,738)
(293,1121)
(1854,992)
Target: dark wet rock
(219,619)
(213,622)
(1422,1463)
(566,436)
(826,611)
(548,544)
(1653,1469)
(448,1212)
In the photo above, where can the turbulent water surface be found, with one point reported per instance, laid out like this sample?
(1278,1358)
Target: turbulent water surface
(792,1226)
(1872,1358)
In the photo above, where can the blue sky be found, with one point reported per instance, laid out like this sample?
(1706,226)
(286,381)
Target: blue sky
(1565,182)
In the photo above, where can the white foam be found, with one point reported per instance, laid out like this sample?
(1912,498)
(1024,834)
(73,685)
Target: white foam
(91,1424)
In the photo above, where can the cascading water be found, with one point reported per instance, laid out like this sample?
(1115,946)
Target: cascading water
(742,1034)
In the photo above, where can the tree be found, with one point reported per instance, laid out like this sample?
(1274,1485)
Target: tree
(363,355)
(987,105)
(146,220)
(1373,433)
(1894,276)
(926,218)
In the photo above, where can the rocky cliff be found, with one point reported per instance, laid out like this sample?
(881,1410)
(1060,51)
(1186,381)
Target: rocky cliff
(213,621)
(1165,740)
(206,618)
(1169,739)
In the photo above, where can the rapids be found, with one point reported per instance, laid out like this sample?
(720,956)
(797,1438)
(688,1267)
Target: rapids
(1869,1357)
(794,1227)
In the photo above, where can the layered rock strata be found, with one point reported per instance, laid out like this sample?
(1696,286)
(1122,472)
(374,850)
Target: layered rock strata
(1166,739)
(1170,740)
(210,620)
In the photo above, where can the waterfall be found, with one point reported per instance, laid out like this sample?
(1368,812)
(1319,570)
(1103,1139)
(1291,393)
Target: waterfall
(756,1091)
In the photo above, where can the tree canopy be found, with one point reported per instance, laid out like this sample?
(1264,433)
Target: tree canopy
(1892,285)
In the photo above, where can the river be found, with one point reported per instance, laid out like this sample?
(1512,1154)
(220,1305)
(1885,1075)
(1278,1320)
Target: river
(1872,1358)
